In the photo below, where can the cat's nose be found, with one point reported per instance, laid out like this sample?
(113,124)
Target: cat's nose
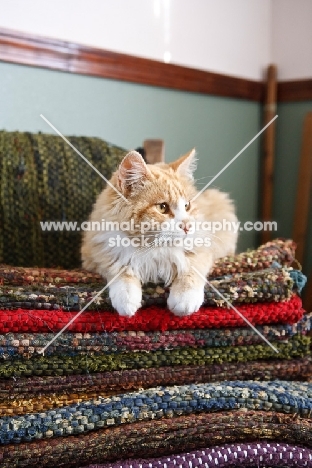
(184,227)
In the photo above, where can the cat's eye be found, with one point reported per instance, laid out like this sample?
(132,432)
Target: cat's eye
(187,206)
(163,207)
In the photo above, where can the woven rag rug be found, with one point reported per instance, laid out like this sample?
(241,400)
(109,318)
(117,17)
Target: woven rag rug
(115,389)
(160,421)
(260,454)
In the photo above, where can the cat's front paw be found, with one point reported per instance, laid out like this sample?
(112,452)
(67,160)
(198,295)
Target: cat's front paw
(126,298)
(187,302)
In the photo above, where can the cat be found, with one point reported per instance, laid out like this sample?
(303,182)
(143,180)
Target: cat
(161,195)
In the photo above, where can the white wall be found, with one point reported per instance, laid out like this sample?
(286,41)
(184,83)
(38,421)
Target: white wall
(236,37)
(226,36)
(292,38)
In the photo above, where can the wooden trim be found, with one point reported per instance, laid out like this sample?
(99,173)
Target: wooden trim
(26,49)
(296,90)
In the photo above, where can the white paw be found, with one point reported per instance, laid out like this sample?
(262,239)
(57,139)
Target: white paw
(187,302)
(126,297)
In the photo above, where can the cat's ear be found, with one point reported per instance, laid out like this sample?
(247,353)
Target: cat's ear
(132,171)
(185,165)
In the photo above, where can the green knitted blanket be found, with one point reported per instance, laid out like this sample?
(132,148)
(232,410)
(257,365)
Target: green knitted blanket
(43,179)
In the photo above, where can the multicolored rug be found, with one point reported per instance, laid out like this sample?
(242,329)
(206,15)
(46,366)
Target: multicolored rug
(75,387)
(279,252)
(273,284)
(157,403)
(15,345)
(156,385)
(160,437)
(298,346)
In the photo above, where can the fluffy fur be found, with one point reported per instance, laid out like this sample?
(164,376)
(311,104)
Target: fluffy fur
(146,187)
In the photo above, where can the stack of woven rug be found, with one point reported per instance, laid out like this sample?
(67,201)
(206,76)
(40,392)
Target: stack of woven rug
(156,389)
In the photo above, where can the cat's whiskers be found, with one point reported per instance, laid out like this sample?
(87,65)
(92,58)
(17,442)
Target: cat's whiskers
(160,238)
(144,234)
(139,235)
(213,247)
(143,250)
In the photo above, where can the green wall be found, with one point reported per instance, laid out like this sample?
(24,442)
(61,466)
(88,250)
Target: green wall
(288,147)
(125,114)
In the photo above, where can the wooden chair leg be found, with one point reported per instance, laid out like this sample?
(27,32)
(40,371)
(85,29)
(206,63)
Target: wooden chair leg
(154,151)
(268,151)
(300,226)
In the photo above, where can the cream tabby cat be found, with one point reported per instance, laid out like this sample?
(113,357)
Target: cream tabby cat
(160,193)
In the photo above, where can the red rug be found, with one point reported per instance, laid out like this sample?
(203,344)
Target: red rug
(149,319)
